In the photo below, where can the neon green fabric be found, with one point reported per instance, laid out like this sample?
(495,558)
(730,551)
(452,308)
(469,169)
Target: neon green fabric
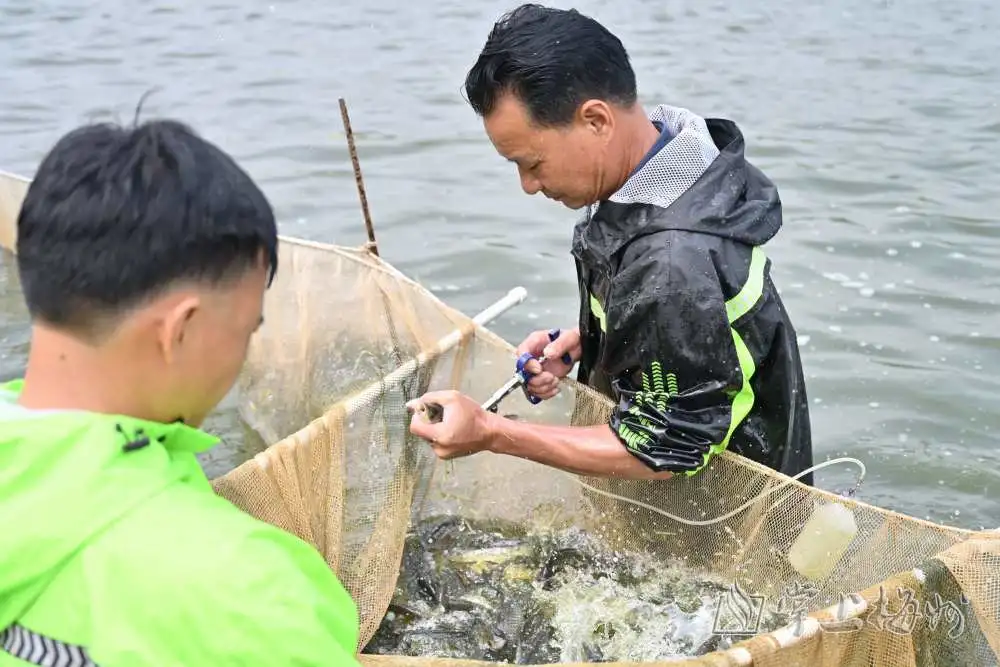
(655,392)
(131,555)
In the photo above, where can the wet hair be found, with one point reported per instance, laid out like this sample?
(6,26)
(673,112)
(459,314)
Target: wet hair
(552,60)
(116,215)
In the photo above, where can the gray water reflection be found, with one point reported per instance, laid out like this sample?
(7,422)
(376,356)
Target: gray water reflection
(878,120)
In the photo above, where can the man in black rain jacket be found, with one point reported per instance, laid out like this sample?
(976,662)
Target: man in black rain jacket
(680,322)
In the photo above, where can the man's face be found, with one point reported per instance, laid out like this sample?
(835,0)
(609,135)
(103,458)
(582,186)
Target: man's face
(567,164)
(208,339)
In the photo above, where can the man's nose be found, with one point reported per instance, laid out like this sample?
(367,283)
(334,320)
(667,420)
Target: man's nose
(530,184)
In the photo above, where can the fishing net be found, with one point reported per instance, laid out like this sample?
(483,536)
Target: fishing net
(347,340)
(12,191)
(323,382)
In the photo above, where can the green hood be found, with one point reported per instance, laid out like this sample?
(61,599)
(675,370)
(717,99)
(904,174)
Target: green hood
(66,476)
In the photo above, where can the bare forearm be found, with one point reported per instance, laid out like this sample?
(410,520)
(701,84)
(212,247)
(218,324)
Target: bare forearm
(589,450)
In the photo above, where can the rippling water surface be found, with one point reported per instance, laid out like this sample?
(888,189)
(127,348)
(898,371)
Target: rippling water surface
(877,119)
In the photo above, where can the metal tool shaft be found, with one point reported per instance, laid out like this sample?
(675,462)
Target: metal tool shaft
(493,401)
(520,378)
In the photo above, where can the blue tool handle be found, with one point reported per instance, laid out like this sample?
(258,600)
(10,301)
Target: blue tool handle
(521,370)
(526,376)
(566,359)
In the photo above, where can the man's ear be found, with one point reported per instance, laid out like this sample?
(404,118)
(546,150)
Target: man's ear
(597,117)
(175,328)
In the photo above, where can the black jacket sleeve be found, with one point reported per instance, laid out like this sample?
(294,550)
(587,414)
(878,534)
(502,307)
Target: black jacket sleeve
(681,374)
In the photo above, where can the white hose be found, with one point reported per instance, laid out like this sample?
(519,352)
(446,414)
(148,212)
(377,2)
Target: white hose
(709,522)
(514,297)
(377,388)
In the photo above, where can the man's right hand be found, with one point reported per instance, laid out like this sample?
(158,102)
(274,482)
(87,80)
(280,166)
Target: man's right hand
(545,383)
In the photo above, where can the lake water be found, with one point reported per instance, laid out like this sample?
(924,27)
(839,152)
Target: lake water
(876,119)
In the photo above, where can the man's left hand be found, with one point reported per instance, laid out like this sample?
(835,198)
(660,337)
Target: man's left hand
(465,428)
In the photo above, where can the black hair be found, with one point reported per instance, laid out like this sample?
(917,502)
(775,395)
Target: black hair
(115,215)
(552,60)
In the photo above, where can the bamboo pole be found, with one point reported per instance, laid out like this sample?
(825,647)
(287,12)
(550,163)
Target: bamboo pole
(372,246)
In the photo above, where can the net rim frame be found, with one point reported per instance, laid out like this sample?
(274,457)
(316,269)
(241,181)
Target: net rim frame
(362,255)
(737,654)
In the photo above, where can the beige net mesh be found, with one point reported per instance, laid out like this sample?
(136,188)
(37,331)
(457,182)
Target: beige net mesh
(326,382)
(905,592)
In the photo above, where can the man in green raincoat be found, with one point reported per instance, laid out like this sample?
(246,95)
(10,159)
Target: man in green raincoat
(144,254)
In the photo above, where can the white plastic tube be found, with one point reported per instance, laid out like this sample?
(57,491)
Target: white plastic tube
(718,519)
(372,391)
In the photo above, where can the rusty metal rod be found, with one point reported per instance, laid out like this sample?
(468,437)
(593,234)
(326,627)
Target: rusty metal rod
(372,246)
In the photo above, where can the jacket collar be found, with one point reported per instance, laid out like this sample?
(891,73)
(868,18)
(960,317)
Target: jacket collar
(134,433)
(610,224)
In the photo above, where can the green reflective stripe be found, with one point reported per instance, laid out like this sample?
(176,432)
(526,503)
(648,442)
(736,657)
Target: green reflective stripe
(655,391)
(737,307)
(632,438)
(598,310)
(752,290)
(658,389)
(672,384)
(652,392)
(742,401)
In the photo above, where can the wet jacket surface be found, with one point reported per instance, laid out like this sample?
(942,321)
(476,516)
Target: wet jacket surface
(680,321)
(117,553)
